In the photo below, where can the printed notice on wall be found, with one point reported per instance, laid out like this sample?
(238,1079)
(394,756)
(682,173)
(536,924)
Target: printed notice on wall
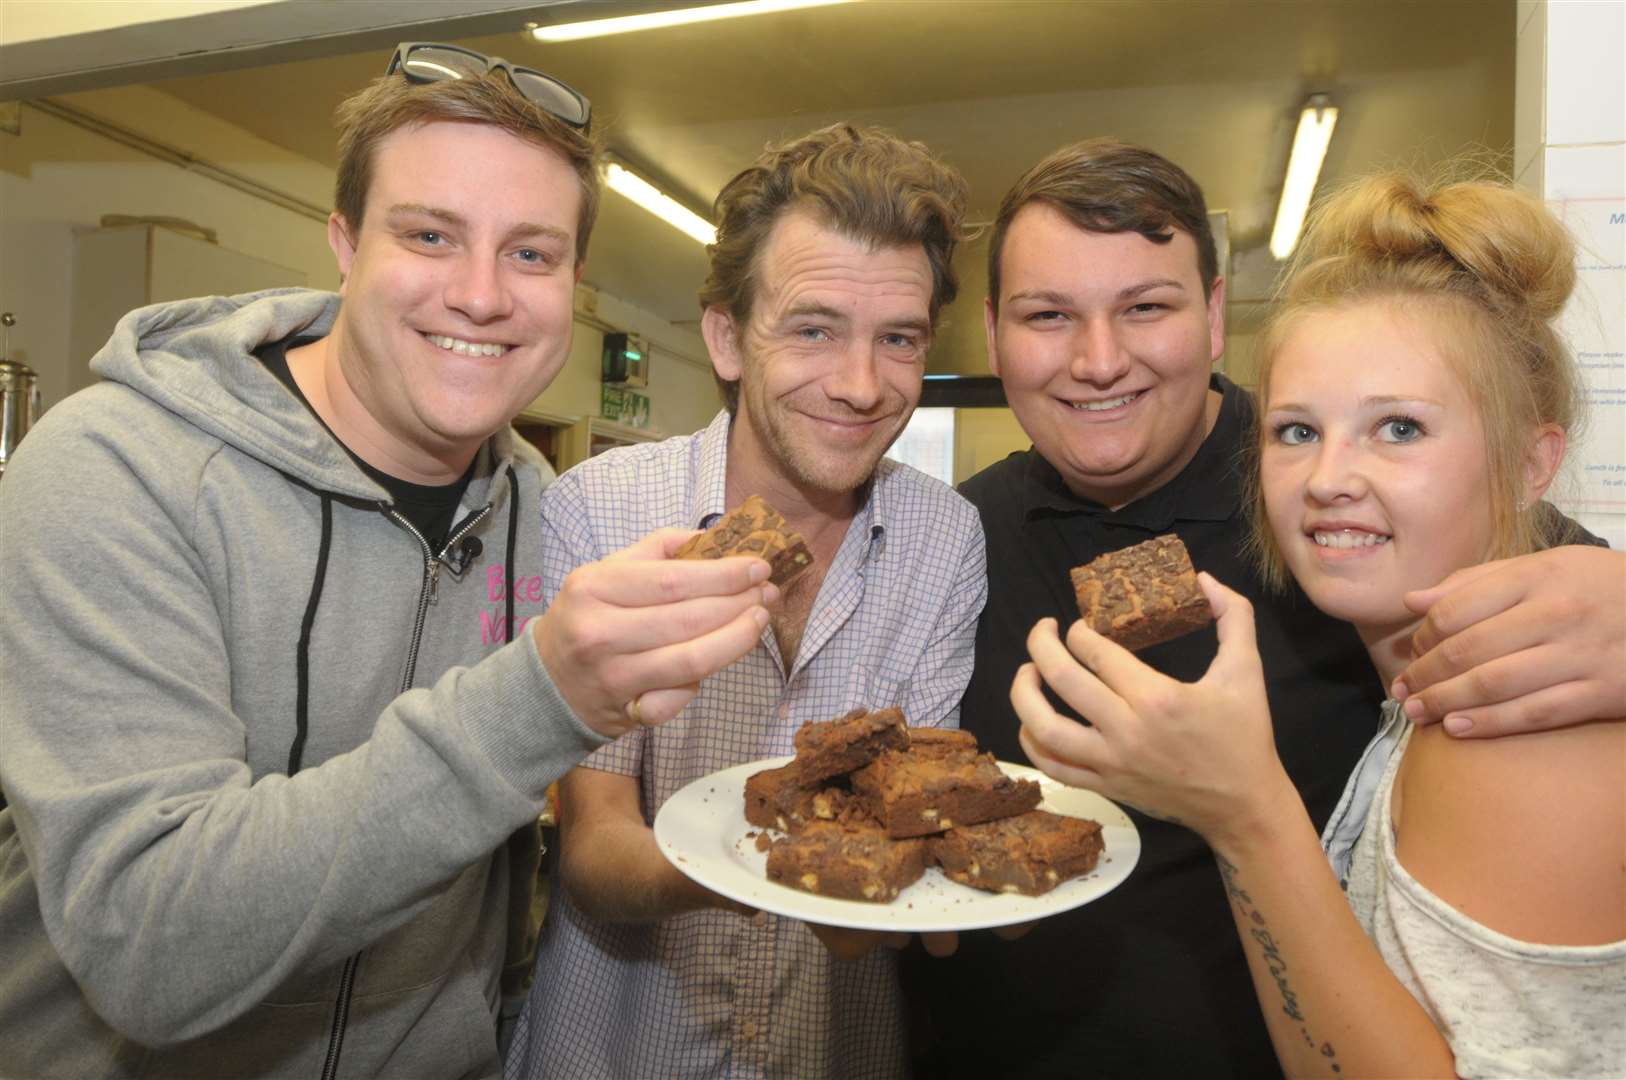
(1570,146)
(1584,190)
(1595,326)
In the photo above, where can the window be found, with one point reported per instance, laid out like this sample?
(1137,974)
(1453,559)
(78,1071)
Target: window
(928,444)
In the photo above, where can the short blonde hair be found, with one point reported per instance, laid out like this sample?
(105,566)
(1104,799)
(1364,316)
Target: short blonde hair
(1486,262)
(391,102)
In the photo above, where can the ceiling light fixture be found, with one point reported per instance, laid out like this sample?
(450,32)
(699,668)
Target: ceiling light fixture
(626,24)
(628,183)
(1303,170)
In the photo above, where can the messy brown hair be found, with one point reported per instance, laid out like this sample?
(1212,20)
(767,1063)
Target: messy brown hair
(863,182)
(1108,186)
(391,102)
(1492,268)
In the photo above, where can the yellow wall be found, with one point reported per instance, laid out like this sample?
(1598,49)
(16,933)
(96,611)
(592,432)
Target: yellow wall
(57,179)
(984,436)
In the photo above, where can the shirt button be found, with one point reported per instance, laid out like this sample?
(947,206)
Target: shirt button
(760,919)
(748,1030)
(784,711)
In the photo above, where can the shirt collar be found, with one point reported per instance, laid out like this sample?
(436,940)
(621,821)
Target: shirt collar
(1207,489)
(711,473)
(711,482)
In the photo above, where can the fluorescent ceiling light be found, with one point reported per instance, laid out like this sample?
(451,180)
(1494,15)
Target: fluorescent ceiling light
(623,180)
(1303,169)
(625,24)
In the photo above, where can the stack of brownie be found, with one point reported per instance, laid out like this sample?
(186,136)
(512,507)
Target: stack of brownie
(869,803)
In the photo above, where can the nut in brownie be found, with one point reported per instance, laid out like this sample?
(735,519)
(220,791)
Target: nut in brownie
(918,794)
(780,799)
(1030,854)
(832,747)
(768,792)
(754,528)
(848,859)
(1142,595)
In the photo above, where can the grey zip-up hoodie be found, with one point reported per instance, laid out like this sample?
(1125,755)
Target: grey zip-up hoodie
(235,846)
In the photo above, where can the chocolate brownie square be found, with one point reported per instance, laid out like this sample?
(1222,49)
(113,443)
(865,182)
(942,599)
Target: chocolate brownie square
(827,748)
(1142,595)
(767,790)
(1030,854)
(781,799)
(753,528)
(914,794)
(846,859)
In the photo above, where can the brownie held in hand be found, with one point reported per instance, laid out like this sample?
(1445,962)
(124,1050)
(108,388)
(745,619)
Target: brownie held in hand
(1142,595)
(753,528)
(1030,854)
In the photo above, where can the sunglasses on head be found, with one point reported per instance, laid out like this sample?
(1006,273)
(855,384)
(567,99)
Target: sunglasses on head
(428,61)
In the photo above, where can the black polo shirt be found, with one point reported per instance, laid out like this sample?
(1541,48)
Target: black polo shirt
(1150,980)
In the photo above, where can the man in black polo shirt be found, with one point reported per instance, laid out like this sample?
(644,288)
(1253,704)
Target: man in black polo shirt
(1105,314)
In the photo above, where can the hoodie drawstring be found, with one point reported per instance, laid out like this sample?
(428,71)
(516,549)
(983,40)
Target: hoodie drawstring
(508,557)
(347,976)
(302,708)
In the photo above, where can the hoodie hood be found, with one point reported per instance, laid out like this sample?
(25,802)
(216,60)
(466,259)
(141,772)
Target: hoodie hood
(195,358)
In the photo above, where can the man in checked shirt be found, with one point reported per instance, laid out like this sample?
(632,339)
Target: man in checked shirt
(831,263)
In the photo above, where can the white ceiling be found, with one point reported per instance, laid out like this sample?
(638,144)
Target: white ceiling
(992,86)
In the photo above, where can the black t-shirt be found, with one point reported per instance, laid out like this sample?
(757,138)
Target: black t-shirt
(1150,980)
(430,508)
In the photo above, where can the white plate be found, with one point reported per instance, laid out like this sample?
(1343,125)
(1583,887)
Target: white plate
(702,831)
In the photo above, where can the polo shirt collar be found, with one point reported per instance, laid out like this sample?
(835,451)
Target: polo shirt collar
(1207,489)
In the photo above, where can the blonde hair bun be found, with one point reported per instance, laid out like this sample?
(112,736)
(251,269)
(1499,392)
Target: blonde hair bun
(1502,238)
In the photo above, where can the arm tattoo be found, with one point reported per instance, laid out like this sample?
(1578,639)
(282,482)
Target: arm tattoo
(1272,955)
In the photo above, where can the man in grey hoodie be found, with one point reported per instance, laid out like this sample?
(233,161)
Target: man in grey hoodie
(279,703)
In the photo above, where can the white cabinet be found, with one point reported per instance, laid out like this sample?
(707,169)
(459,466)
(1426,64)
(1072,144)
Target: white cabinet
(592,435)
(125,267)
(571,440)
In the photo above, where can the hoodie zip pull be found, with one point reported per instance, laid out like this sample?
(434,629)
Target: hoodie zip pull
(460,530)
(431,575)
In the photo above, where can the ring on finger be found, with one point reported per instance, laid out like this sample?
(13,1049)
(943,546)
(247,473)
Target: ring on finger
(634,712)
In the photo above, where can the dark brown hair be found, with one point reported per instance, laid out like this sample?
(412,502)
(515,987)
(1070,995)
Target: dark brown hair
(864,183)
(1107,186)
(391,102)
